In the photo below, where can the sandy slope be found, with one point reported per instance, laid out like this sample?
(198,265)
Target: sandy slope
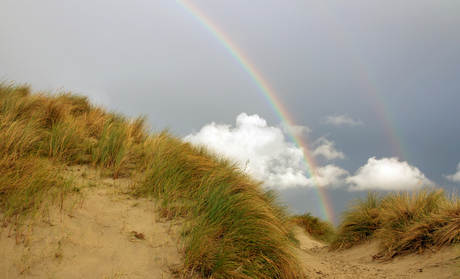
(104,233)
(357,262)
(100,234)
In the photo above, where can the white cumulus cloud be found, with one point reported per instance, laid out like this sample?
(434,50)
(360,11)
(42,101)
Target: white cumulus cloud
(331,175)
(387,174)
(340,120)
(265,152)
(295,129)
(273,159)
(327,150)
(456,176)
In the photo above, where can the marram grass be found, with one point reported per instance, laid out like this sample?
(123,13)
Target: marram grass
(26,183)
(232,227)
(402,222)
(359,222)
(315,227)
(406,221)
(64,140)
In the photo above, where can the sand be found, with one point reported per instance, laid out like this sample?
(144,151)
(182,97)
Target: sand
(358,262)
(103,232)
(100,233)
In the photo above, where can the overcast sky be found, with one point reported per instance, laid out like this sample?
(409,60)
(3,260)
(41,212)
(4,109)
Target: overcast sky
(372,87)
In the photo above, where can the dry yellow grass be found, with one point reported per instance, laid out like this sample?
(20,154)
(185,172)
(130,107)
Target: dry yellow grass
(402,222)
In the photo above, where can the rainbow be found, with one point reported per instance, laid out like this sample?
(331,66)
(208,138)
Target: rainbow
(268,93)
(368,82)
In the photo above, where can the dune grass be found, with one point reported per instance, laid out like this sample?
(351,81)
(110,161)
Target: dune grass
(406,225)
(359,222)
(26,183)
(26,178)
(402,222)
(315,227)
(232,227)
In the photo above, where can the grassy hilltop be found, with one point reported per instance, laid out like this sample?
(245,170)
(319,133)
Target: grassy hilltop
(233,228)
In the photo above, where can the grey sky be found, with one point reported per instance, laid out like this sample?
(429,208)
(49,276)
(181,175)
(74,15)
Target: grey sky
(370,78)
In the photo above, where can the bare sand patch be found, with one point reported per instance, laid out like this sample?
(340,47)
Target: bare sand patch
(101,232)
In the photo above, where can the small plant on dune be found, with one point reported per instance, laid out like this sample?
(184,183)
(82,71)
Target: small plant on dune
(403,222)
(315,227)
(359,223)
(9,89)
(138,133)
(94,121)
(78,104)
(27,182)
(448,223)
(16,101)
(168,173)
(406,221)
(138,129)
(112,150)
(65,140)
(53,108)
(120,146)
(19,137)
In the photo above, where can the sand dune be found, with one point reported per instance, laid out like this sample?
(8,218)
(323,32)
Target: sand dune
(105,233)
(358,262)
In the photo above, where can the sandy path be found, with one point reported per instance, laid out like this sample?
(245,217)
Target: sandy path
(357,262)
(107,234)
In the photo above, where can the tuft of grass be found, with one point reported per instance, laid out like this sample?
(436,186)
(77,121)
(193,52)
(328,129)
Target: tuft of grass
(138,129)
(113,149)
(26,183)
(19,137)
(402,222)
(315,227)
(406,221)
(448,222)
(359,222)
(53,108)
(120,147)
(94,122)
(64,141)
(16,101)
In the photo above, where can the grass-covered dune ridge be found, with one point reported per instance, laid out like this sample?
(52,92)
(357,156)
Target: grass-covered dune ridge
(315,227)
(402,222)
(232,229)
